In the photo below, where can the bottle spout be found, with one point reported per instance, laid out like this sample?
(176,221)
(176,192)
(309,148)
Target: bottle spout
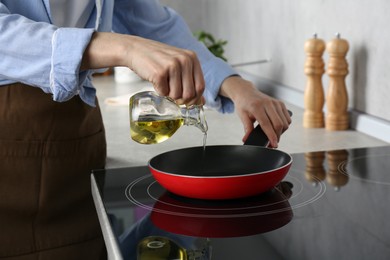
(194,115)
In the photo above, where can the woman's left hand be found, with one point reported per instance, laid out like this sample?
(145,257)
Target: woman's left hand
(252,105)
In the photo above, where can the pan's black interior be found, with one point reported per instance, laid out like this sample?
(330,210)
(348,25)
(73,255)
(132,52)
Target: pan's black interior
(223,160)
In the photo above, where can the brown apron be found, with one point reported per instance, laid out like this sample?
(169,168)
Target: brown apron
(47,152)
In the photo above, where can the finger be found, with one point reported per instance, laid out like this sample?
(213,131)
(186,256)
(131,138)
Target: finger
(198,79)
(287,114)
(160,83)
(189,93)
(284,116)
(175,80)
(276,121)
(270,133)
(202,101)
(248,126)
(266,124)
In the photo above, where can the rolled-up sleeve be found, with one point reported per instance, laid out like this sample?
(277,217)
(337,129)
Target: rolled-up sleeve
(149,19)
(66,79)
(42,55)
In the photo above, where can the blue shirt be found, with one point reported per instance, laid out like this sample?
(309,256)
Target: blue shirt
(36,52)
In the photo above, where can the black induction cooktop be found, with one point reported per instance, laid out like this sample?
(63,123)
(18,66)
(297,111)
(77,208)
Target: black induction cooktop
(331,205)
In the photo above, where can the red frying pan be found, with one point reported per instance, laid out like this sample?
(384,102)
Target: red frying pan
(222,171)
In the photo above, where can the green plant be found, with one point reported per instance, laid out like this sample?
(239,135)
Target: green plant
(216,47)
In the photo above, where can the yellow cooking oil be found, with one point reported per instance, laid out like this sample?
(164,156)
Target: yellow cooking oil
(154,130)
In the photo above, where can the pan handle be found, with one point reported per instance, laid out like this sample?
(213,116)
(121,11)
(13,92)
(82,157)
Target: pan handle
(258,137)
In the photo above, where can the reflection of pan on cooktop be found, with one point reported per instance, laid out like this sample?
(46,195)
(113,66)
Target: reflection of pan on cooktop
(228,218)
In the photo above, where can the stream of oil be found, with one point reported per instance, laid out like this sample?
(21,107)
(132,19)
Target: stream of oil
(203,158)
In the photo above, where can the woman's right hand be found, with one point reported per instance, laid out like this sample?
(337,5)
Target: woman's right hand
(174,72)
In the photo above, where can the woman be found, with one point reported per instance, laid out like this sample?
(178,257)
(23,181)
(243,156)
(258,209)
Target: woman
(51,133)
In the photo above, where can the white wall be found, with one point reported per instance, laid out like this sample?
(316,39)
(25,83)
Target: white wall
(278,29)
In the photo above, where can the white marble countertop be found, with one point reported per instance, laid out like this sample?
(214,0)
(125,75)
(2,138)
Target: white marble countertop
(223,129)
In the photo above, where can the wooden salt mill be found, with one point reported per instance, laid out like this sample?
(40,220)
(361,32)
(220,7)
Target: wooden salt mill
(313,116)
(337,97)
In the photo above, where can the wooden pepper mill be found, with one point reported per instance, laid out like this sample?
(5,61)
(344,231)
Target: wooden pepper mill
(337,97)
(313,116)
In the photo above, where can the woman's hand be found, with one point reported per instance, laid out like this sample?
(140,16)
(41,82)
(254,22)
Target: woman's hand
(252,105)
(174,72)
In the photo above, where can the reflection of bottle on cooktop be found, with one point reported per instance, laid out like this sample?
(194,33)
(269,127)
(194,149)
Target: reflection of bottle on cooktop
(162,248)
(154,119)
